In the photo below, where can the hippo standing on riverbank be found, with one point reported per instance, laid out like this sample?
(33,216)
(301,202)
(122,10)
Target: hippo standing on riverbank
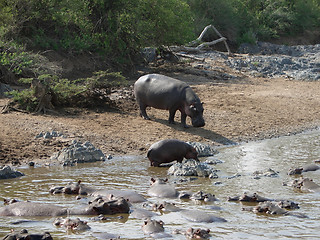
(168,150)
(162,92)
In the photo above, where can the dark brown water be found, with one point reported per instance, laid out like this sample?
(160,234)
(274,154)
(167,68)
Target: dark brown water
(134,173)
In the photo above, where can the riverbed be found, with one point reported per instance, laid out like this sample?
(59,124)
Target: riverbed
(236,176)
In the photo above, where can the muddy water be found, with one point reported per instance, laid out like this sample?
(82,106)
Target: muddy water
(132,172)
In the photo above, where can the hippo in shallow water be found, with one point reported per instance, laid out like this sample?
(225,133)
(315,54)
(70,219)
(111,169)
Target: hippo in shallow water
(160,188)
(73,224)
(306,168)
(272,208)
(168,150)
(155,229)
(200,216)
(80,188)
(306,184)
(24,235)
(96,207)
(162,92)
(194,233)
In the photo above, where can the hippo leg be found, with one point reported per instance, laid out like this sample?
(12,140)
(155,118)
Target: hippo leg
(183,119)
(172,112)
(143,112)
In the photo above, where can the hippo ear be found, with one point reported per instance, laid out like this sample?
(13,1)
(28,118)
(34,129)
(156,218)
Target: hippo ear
(153,180)
(145,222)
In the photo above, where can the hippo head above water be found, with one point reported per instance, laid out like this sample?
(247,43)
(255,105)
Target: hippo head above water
(110,206)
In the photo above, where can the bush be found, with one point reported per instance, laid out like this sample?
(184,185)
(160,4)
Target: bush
(252,20)
(87,92)
(114,28)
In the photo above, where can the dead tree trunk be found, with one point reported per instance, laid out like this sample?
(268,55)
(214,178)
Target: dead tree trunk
(197,45)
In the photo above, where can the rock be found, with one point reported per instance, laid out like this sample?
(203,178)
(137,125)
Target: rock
(190,167)
(49,135)
(204,150)
(272,60)
(78,153)
(7,172)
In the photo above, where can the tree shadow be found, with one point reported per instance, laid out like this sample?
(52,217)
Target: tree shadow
(202,132)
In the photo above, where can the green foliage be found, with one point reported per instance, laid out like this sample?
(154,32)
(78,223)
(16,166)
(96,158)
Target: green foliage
(252,20)
(25,99)
(14,57)
(105,80)
(306,14)
(86,92)
(219,13)
(115,28)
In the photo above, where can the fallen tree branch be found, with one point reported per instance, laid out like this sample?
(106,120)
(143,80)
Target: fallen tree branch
(197,45)
(188,56)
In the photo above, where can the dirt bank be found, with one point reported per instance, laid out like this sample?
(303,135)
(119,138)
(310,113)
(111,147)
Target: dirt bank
(237,109)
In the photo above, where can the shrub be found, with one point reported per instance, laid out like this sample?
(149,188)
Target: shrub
(88,92)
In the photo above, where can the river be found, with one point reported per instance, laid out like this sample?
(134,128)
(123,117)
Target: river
(235,177)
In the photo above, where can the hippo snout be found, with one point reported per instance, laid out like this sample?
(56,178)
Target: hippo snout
(198,122)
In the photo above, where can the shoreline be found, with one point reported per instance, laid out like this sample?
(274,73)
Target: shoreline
(236,114)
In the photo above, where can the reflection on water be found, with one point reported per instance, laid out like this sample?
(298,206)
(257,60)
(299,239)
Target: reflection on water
(133,172)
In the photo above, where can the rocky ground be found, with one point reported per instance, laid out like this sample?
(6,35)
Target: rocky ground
(262,92)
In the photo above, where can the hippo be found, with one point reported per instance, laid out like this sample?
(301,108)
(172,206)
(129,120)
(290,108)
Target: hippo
(154,228)
(72,224)
(166,207)
(96,207)
(160,188)
(72,188)
(140,213)
(272,208)
(202,196)
(306,168)
(249,197)
(306,184)
(197,233)
(105,236)
(168,150)
(131,196)
(80,188)
(24,235)
(162,92)
(200,216)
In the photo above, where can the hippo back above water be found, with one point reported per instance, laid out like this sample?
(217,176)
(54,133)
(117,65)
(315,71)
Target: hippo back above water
(162,92)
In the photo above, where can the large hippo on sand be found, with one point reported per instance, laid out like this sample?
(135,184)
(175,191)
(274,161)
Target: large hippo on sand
(162,92)
(168,150)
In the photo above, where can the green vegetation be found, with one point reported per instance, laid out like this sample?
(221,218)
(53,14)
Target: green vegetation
(251,20)
(86,92)
(117,30)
